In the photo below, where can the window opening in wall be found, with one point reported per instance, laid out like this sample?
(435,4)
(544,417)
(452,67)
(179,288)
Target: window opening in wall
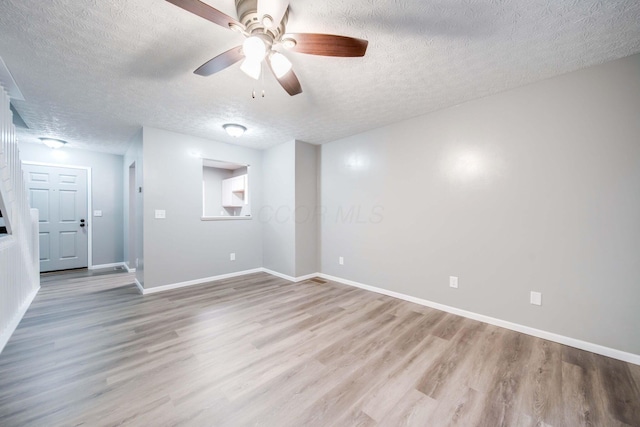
(225,190)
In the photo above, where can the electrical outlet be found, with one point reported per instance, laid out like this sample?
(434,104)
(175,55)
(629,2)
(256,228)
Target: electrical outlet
(137,263)
(536,298)
(453,281)
(97,213)
(161,214)
(341,260)
(232,256)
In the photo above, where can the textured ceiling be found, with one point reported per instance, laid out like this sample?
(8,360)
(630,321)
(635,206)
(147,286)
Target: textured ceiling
(93,72)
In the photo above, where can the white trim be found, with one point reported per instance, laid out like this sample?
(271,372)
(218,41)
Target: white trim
(89,202)
(169,287)
(290,278)
(572,342)
(7,241)
(113,264)
(223,218)
(280,275)
(139,286)
(146,291)
(307,277)
(9,83)
(11,327)
(129,269)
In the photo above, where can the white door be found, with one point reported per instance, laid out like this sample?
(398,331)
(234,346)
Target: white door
(60,195)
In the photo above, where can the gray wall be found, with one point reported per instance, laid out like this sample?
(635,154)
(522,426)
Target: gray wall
(182,247)
(536,188)
(106,192)
(289,214)
(306,182)
(277,214)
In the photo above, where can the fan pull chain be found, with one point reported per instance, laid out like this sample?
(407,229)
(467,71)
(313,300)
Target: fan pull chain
(262,92)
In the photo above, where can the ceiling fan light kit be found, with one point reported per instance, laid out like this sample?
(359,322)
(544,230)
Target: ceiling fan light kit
(280,64)
(254,48)
(263,23)
(251,68)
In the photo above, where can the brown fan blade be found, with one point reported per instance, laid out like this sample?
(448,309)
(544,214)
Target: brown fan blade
(327,44)
(220,62)
(289,81)
(207,12)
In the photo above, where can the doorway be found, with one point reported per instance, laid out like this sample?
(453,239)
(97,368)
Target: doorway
(131,261)
(61,196)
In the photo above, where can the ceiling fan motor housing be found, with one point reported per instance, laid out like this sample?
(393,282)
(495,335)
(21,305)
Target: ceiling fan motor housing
(248,15)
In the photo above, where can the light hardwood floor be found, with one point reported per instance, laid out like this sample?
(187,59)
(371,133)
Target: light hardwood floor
(261,351)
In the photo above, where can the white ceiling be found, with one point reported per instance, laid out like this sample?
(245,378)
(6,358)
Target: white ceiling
(94,72)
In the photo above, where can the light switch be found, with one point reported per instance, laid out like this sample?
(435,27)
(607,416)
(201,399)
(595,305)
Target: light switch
(161,214)
(97,213)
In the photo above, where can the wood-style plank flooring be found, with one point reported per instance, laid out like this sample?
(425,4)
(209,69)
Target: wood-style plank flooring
(261,351)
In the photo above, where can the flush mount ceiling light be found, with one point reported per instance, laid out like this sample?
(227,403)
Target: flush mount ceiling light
(53,143)
(234,130)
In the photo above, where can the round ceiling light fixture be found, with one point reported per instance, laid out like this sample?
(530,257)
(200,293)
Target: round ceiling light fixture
(234,130)
(53,143)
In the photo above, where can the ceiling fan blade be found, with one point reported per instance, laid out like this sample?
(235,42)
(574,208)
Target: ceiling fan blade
(220,62)
(289,81)
(327,44)
(274,8)
(207,12)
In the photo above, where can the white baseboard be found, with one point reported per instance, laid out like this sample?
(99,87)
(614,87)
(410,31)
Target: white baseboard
(307,277)
(10,329)
(129,269)
(146,291)
(169,287)
(101,266)
(290,278)
(550,336)
(139,286)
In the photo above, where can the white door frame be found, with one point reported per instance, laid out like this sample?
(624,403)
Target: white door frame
(89,204)
(132,232)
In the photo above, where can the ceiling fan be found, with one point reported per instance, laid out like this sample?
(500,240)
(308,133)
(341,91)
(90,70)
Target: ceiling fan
(263,23)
